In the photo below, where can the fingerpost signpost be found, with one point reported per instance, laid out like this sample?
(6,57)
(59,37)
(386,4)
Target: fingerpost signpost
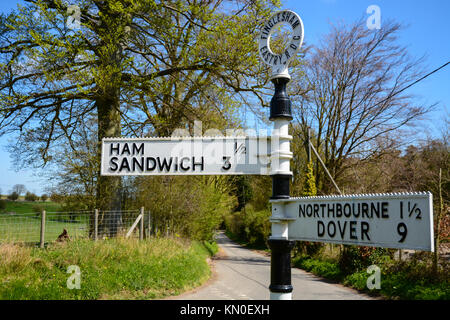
(401,220)
(280,113)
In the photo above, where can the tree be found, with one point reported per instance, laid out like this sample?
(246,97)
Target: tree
(138,72)
(309,188)
(19,189)
(13,196)
(44,197)
(349,95)
(29,196)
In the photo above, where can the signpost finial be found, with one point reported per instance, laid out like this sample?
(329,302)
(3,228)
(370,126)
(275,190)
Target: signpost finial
(280,62)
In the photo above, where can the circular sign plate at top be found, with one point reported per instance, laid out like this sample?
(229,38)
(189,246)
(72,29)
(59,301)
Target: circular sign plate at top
(280,62)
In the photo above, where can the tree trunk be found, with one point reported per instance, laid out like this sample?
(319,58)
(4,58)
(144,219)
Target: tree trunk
(109,187)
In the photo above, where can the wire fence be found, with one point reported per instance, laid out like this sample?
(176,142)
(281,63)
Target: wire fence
(45,227)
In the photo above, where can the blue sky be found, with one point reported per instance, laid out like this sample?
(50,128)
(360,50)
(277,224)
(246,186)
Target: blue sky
(427,34)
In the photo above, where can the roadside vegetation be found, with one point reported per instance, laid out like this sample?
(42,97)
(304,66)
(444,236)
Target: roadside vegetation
(110,269)
(412,278)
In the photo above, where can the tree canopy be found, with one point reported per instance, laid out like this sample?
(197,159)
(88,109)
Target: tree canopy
(140,67)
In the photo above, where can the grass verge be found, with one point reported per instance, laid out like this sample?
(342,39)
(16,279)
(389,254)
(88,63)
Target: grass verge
(110,269)
(411,280)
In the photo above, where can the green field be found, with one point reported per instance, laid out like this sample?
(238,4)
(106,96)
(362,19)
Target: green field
(20,222)
(110,269)
(30,206)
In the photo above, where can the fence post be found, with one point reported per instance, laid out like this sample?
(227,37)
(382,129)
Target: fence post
(141,225)
(95,224)
(42,238)
(149,224)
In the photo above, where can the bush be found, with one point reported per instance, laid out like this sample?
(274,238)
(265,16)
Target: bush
(250,226)
(212,247)
(310,249)
(37,208)
(357,258)
(30,196)
(324,269)
(2,204)
(13,196)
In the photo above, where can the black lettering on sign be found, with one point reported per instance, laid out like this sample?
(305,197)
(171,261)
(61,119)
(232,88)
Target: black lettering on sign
(126,149)
(137,150)
(322,206)
(333,232)
(309,210)
(295,24)
(149,167)
(330,209)
(347,210)
(287,54)
(113,164)
(201,164)
(226,163)
(364,210)
(292,19)
(356,215)
(342,230)
(375,209)
(114,149)
(353,230)
(164,165)
(338,210)
(316,210)
(288,14)
(320,229)
(301,211)
(365,230)
(402,230)
(384,210)
(124,165)
(140,164)
(182,164)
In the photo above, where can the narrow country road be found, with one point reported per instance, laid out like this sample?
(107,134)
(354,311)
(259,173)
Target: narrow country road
(242,274)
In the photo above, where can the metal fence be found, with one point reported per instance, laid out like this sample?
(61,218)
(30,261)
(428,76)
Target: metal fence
(44,227)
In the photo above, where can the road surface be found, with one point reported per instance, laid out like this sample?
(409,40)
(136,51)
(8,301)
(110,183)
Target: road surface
(242,274)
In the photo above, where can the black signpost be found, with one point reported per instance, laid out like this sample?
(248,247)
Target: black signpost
(280,265)
(280,113)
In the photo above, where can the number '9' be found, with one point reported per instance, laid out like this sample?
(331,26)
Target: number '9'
(402,231)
